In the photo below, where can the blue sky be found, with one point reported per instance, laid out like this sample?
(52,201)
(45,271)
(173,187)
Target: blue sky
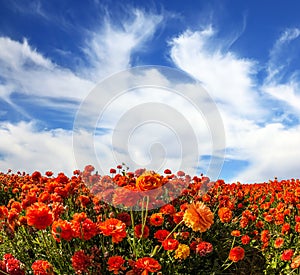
(245,53)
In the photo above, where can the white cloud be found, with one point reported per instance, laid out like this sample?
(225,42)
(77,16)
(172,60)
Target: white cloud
(26,71)
(226,77)
(24,147)
(110,48)
(270,149)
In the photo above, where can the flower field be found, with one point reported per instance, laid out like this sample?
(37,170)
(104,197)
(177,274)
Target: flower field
(145,223)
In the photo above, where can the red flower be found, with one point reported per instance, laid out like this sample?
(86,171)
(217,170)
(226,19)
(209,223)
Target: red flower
(147,264)
(115,264)
(113,227)
(161,234)
(204,248)
(12,265)
(41,267)
(167,209)
(49,173)
(285,228)
(138,231)
(245,239)
(125,218)
(170,244)
(265,236)
(168,171)
(278,242)
(80,262)
(39,215)
(156,219)
(112,171)
(236,254)
(287,255)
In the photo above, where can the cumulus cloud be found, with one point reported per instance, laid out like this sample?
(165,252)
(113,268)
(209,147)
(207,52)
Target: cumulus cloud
(24,147)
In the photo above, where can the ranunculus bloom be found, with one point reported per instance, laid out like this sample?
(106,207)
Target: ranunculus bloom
(204,248)
(170,244)
(225,214)
(156,219)
(198,216)
(235,233)
(295,262)
(287,255)
(80,262)
(245,239)
(148,180)
(138,231)
(41,267)
(161,234)
(278,242)
(113,227)
(39,215)
(236,254)
(147,264)
(182,252)
(62,229)
(115,264)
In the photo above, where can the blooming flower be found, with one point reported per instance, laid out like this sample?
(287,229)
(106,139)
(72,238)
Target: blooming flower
(295,262)
(236,254)
(182,252)
(113,227)
(225,214)
(41,267)
(198,216)
(148,180)
(115,264)
(245,239)
(278,242)
(62,229)
(148,264)
(80,262)
(138,231)
(287,255)
(170,244)
(39,215)
(161,234)
(156,219)
(204,248)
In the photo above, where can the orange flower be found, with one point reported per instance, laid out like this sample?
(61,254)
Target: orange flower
(235,233)
(148,264)
(62,230)
(41,267)
(115,264)
(182,252)
(236,254)
(225,214)
(113,227)
(198,216)
(156,219)
(295,262)
(148,180)
(39,215)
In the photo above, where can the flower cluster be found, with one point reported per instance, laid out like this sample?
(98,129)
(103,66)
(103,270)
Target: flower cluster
(142,222)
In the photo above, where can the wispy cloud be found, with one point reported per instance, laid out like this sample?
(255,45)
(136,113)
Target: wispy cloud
(251,133)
